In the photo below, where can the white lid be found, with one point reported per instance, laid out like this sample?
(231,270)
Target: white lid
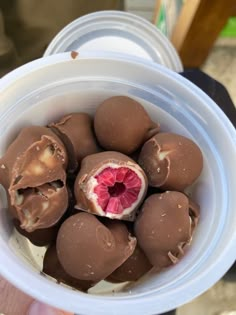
(116,32)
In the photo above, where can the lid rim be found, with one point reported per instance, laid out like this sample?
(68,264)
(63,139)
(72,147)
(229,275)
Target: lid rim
(131,23)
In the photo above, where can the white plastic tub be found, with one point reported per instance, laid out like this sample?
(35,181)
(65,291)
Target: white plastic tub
(45,89)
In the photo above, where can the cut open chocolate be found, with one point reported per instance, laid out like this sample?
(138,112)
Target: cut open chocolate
(34,178)
(40,207)
(110,184)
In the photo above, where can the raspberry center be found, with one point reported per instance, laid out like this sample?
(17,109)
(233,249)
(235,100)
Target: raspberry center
(117,189)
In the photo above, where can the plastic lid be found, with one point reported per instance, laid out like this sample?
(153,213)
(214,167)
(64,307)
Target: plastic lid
(116,32)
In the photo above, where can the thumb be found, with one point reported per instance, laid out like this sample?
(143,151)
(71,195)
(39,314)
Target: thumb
(37,308)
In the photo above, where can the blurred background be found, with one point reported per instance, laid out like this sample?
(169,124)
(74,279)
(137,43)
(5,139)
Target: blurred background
(202,31)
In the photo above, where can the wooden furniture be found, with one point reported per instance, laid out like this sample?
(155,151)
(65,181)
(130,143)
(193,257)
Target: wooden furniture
(198,26)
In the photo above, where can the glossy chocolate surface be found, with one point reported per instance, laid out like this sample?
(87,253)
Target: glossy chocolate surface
(76,132)
(122,124)
(171,161)
(164,227)
(89,250)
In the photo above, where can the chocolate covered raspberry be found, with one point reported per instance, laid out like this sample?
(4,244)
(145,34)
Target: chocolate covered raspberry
(110,184)
(132,269)
(171,161)
(90,250)
(75,130)
(122,124)
(165,226)
(53,268)
(40,237)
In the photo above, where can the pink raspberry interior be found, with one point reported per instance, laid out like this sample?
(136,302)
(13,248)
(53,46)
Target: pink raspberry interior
(117,189)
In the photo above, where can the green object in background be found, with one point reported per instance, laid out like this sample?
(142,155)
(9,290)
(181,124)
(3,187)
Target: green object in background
(161,20)
(230,28)
(167,15)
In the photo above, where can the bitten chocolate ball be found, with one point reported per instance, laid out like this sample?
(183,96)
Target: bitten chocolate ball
(33,173)
(40,207)
(75,131)
(37,156)
(53,268)
(164,227)
(110,184)
(171,161)
(132,269)
(89,250)
(122,124)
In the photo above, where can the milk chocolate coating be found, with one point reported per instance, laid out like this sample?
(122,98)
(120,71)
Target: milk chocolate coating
(171,161)
(164,227)
(194,212)
(33,173)
(122,124)
(75,131)
(37,156)
(89,250)
(153,190)
(41,237)
(132,269)
(89,166)
(40,207)
(53,268)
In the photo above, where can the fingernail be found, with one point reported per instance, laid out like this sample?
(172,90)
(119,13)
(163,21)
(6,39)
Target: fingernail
(37,308)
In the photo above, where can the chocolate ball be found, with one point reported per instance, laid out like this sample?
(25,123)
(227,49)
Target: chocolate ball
(122,124)
(33,173)
(110,184)
(132,269)
(89,250)
(164,227)
(53,268)
(41,207)
(37,156)
(76,132)
(171,161)
(41,237)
